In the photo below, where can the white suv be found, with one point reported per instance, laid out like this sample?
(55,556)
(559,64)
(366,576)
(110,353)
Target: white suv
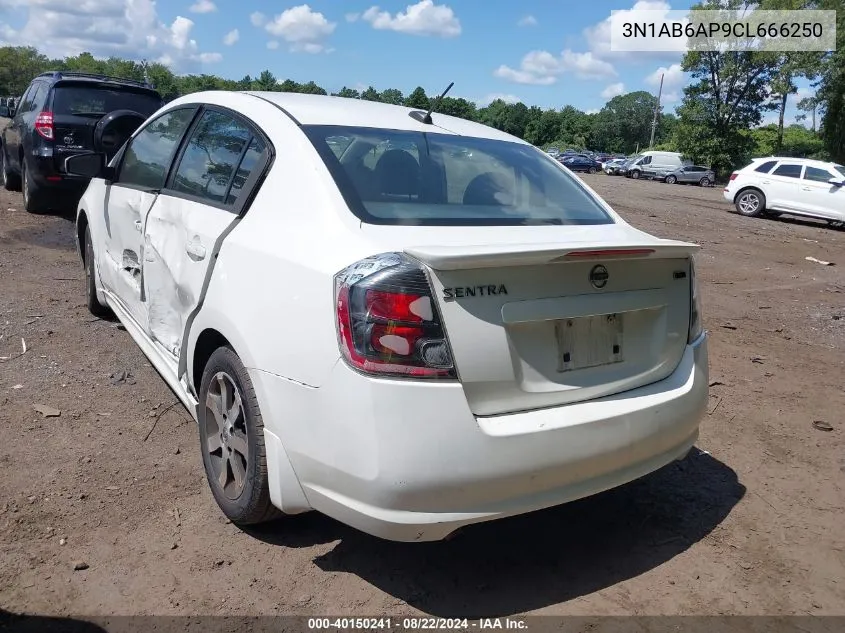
(799,186)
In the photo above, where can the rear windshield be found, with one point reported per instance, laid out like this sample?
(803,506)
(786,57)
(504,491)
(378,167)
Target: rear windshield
(86,100)
(415,178)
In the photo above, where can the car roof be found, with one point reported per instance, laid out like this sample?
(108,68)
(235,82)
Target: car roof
(308,109)
(793,159)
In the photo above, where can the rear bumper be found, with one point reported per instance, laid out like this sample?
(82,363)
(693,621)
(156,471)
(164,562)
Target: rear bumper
(408,461)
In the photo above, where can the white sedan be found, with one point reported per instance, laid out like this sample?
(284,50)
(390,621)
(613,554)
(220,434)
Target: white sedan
(410,323)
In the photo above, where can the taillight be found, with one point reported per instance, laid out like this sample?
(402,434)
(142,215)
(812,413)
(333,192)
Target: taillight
(734,175)
(387,320)
(696,326)
(44,125)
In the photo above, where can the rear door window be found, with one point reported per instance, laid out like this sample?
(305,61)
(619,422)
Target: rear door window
(788,170)
(766,167)
(212,156)
(78,99)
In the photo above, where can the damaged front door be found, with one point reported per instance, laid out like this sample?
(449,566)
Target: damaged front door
(186,226)
(140,177)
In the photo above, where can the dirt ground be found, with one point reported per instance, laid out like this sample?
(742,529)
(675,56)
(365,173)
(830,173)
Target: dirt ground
(750,523)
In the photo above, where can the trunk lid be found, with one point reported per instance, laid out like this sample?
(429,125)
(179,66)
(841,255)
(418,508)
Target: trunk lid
(546,323)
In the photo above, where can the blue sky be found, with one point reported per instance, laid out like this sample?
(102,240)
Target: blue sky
(543,52)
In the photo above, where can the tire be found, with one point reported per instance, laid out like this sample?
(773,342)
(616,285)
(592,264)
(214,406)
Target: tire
(591,170)
(750,203)
(33,197)
(10,181)
(94,306)
(671,180)
(704,182)
(236,451)
(635,174)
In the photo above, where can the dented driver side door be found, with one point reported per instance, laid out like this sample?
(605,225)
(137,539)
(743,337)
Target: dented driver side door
(207,192)
(140,176)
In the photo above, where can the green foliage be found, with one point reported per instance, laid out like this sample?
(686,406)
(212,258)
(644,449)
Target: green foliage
(715,124)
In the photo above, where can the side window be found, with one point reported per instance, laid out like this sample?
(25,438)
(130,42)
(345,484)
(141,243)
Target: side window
(40,98)
(148,156)
(817,175)
(646,161)
(253,158)
(211,157)
(766,167)
(26,99)
(788,170)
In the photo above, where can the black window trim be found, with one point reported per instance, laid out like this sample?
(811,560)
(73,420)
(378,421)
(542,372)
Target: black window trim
(353,201)
(772,165)
(252,184)
(169,166)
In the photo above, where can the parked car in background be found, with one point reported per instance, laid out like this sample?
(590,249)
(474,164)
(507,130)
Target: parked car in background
(4,112)
(554,152)
(648,163)
(798,186)
(402,339)
(582,162)
(63,114)
(689,174)
(614,166)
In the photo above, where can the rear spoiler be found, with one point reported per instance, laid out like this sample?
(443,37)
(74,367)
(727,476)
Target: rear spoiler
(489,256)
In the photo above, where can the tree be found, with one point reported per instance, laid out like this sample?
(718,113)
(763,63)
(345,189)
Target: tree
(312,88)
(624,123)
(266,81)
(370,94)
(392,96)
(830,94)
(457,107)
(418,99)
(349,93)
(728,94)
(18,65)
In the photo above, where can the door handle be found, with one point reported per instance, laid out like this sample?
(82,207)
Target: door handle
(138,226)
(195,249)
(767,182)
(806,188)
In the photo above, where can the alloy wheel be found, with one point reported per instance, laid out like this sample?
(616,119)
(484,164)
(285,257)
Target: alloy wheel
(748,203)
(227,438)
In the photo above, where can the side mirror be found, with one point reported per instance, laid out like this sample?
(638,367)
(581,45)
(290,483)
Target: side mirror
(91,165)
(837,182)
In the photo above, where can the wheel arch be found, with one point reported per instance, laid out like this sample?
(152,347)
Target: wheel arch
(81,224)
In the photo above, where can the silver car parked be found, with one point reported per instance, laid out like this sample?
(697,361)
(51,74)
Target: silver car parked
(689,174)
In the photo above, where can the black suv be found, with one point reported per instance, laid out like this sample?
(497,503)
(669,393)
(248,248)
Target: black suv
(62,114)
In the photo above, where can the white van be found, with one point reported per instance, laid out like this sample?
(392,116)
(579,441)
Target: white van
(647,163)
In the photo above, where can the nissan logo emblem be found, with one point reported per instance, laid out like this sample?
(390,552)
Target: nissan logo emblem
(599,276)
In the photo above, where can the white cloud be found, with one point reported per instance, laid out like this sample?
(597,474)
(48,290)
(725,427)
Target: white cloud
(352,17)
(528,20)
(541,68)
(203,6)
(231,37)
(124,28)
(674,79)
(273,45)
(592,111)
(613,90)
(303,29)
(598,36)
(507,98)
(258,19)
(423,18)
(804,93)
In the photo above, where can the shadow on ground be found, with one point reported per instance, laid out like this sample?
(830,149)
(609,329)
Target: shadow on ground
(524,563)
(15,623)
